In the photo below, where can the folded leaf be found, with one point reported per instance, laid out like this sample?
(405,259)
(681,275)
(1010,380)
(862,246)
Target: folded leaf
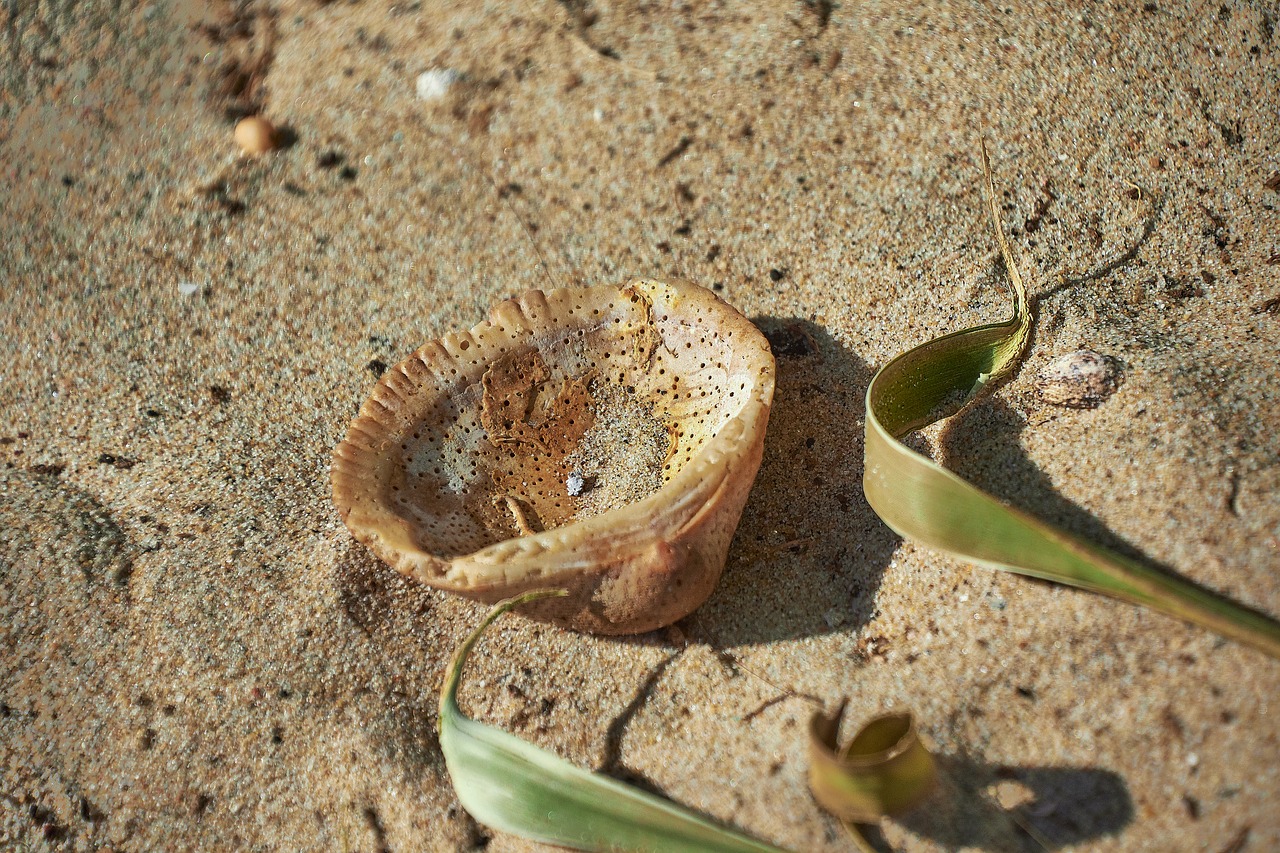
(883,770)
(515,787)
(922,501)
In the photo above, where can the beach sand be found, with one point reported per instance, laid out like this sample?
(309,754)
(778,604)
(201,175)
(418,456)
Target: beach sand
(197,656)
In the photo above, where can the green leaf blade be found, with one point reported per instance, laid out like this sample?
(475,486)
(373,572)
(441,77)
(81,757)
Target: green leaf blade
(515,787)
(883,770)
(922,501)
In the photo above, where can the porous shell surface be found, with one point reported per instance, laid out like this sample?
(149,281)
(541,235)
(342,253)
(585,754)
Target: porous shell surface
(1083,379)
(458,443)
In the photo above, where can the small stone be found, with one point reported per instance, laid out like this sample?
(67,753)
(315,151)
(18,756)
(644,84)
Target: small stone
(186,288)
(1012,794)
(197,803)
(330,159)
(1082,379)
(256,135)
(434,84)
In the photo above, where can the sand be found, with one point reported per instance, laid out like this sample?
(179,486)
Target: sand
(196,655)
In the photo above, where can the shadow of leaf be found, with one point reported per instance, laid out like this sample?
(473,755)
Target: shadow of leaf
(1120,259)
(982,445)
(1017,809)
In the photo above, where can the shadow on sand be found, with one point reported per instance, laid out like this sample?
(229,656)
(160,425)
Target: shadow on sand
(982,445)
(808,541)
(1006,809)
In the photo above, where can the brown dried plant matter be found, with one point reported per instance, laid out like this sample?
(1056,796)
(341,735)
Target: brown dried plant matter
(655,396)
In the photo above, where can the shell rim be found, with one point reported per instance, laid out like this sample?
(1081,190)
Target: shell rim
(633,527)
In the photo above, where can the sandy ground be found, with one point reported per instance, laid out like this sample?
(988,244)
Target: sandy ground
(196,655)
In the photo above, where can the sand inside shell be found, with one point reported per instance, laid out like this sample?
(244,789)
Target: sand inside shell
(620,458)
(540,432)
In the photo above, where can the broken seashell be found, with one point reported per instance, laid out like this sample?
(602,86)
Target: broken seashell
(654,394)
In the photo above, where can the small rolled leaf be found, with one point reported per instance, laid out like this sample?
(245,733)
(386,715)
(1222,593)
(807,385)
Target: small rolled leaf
(514,787)
(923,501)
(883,770)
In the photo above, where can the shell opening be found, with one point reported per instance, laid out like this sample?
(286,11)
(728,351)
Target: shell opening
(604,437)
(627,401)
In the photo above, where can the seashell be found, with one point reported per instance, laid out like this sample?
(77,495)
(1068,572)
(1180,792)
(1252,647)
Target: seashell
(602,440)
(1083,379)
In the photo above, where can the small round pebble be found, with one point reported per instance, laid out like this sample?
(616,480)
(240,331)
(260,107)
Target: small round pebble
(1083,379)
(435,84)
(256,135)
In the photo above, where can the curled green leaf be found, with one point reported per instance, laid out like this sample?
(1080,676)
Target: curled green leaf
(923,501)
(883,770)
(515,787)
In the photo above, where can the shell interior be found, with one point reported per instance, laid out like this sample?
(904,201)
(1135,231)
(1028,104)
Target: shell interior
(599,405)
(612,398)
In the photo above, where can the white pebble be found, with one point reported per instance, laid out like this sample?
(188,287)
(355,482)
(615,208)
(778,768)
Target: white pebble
(434,84)
(186,288)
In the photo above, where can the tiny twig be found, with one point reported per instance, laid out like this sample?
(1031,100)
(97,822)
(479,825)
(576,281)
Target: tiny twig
(794,543)
(522,522)
(546,269)
(677,636)
(1131,185)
